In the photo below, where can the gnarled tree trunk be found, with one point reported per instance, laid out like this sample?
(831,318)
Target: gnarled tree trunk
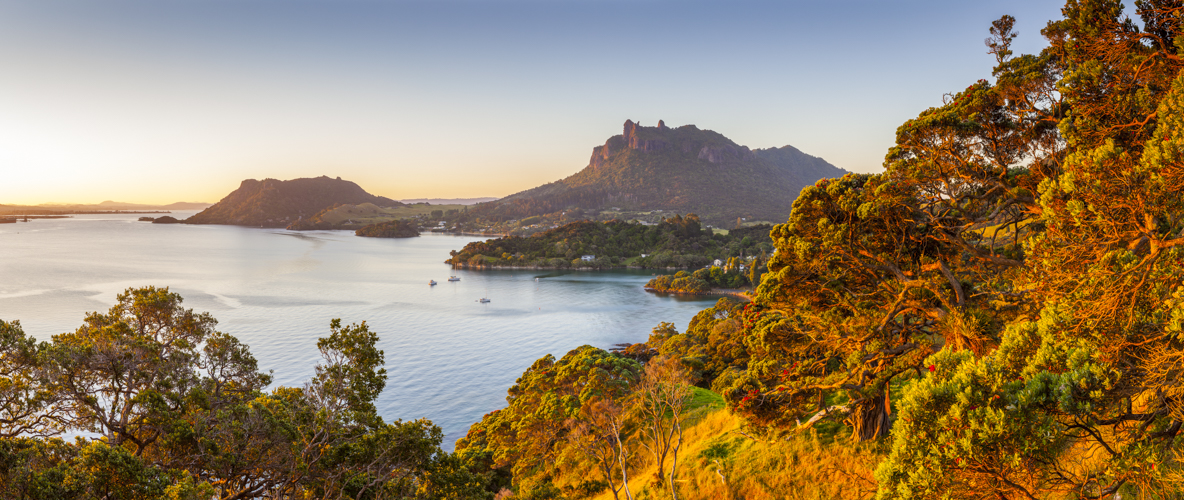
(869,417)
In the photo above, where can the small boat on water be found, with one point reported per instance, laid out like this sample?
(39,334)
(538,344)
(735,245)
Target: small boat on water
(483,300)
(453,278)
(432,282)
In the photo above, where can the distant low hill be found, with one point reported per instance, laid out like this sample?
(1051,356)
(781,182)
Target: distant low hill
(450,201)
(276,203)
(181,205)
(99,207)
(683,170)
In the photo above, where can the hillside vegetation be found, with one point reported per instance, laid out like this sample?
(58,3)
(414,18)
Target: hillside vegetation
(677,241)
(167,407)
(389,229)
(347,216)
(998,314)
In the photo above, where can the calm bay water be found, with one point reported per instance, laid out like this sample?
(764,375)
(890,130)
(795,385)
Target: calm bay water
(448,357)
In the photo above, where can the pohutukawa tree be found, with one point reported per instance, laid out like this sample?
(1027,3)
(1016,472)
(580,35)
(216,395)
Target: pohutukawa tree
(873,273)
(1084,394)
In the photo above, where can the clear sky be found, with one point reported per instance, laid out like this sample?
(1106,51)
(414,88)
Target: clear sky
(158,101)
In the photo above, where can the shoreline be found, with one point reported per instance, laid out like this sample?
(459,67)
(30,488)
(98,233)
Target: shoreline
(734,292)
(466,267)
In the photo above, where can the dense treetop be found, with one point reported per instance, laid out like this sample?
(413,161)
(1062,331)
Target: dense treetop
(169,407)
(390,229)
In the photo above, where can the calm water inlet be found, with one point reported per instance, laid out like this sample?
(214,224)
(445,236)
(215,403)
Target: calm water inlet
(449,358)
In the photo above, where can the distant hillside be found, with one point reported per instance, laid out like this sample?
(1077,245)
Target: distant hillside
(683,169)
(111,205)
(450,201)
(106,206)
(276,203)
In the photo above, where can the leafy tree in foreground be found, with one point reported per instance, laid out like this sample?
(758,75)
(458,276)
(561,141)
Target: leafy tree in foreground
(873,273)
(530,436)
(29,405)
(1083,396)
(182,413)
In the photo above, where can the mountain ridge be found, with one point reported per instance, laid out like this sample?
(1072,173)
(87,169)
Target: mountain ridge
(683,169)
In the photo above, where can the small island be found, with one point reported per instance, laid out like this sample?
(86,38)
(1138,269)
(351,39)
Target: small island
(390,229)
(732,278)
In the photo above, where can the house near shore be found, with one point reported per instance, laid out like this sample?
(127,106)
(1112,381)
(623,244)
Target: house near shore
(588,258)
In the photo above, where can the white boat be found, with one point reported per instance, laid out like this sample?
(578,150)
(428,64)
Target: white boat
(432,282)
(453,278)
(483,300)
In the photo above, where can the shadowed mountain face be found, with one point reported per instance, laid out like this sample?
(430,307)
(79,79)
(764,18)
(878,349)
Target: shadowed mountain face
(276,203)
(682,169)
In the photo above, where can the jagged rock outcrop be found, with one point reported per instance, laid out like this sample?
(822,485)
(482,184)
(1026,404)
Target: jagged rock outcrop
(684,169)
(276,203)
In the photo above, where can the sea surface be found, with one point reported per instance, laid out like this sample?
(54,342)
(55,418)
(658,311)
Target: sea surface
(449,358)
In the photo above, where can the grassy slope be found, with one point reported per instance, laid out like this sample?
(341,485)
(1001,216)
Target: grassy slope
(368,213)
(819,463)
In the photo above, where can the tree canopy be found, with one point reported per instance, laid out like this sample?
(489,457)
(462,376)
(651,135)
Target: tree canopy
(171,408)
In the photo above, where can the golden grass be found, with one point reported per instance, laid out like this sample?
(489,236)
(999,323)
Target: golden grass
(722,460)
(368,213)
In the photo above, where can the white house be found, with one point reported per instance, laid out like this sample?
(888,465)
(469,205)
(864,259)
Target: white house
(588,258)
(718,263)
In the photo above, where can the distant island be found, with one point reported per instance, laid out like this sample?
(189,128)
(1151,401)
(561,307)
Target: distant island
(276,203)
(674,243)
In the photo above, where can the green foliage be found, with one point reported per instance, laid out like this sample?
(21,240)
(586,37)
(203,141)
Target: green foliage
(1014,280)
(181,413)
(675,242)
(1080,396)
(732,275)
(390,229)
(529,438)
